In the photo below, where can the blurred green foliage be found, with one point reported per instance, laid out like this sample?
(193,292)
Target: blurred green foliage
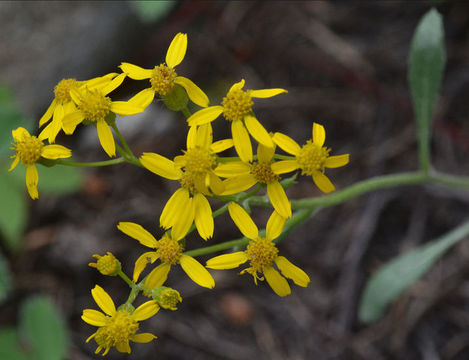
(152,11)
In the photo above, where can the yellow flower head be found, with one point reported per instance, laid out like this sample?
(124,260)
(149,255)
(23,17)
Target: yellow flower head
(194,171)
(170,252)
(261,253)
(107,264)
(312,158)
(163,77)
(166,297)
(236,107)
(29,150)
(93,105)
(63,104)
(243,175)
(117,327)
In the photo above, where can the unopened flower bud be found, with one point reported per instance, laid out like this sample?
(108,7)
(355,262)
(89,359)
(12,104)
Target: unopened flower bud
(107,264)
(166,297)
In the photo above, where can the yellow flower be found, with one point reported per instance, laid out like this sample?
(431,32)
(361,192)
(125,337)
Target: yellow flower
(94,106)
(29,150)
(243,175)
(237,108)
(63,104)
(117,327)
(312,158)
(166,297)
(107,264)
(261,253)
(170,252)
(163,77)
(194,171)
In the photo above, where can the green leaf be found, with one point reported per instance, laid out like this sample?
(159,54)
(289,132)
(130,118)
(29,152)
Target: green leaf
(426,64)
(44,329)
(152,11)
(5,280)
(9,345)
(395,277)
(13,209)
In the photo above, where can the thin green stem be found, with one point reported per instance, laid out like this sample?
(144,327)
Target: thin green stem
(122,140)
(450,180)
(119,160)
(126,279)
(186,112)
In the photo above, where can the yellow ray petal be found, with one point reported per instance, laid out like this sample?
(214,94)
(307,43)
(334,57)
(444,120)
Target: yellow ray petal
(215,184)
(237,184)
(196,95)
(172,207)
(143,98)
(337,161)
(55,152)
(19,133)
(143,338)
(243,221)
(197,272)
(323,182)
(231,169)
(145,311)
(264,153)
(276,281)
(14,163)
(125,108)
(279,199)
(158,276)
(135,72)
(203,216)
(241,140)
(106,138)
(236,86)
(227,261)
(53,128)
(103,300)
(183,218)
(258,131)
(205,116)
(275,225)
(221,145)
(32,178)
(204,136)
(93,317)
(291,271)
(48,114)
(138,233)
(142,261)
(177,50)
(284,166)
(160,166)
(266,93)
(70,121)
(114,84)
(286,143)
(122,347)
(319,134)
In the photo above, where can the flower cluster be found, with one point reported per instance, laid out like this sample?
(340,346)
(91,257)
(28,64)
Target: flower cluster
(203,174)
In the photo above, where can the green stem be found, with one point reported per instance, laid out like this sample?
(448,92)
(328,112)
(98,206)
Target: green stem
(122,140)
(186,112)
(92,164)
(450,180)
(126,279)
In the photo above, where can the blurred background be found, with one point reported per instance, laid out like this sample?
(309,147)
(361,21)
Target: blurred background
(344,64)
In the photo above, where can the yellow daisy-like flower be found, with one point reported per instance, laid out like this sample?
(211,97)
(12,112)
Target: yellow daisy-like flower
(63,104)
(243,175)
(194,171)
(312,158)
(29,150)
(117,327)
(237,108)
(261,253)
(170,252)
(163,77)
(94,106)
